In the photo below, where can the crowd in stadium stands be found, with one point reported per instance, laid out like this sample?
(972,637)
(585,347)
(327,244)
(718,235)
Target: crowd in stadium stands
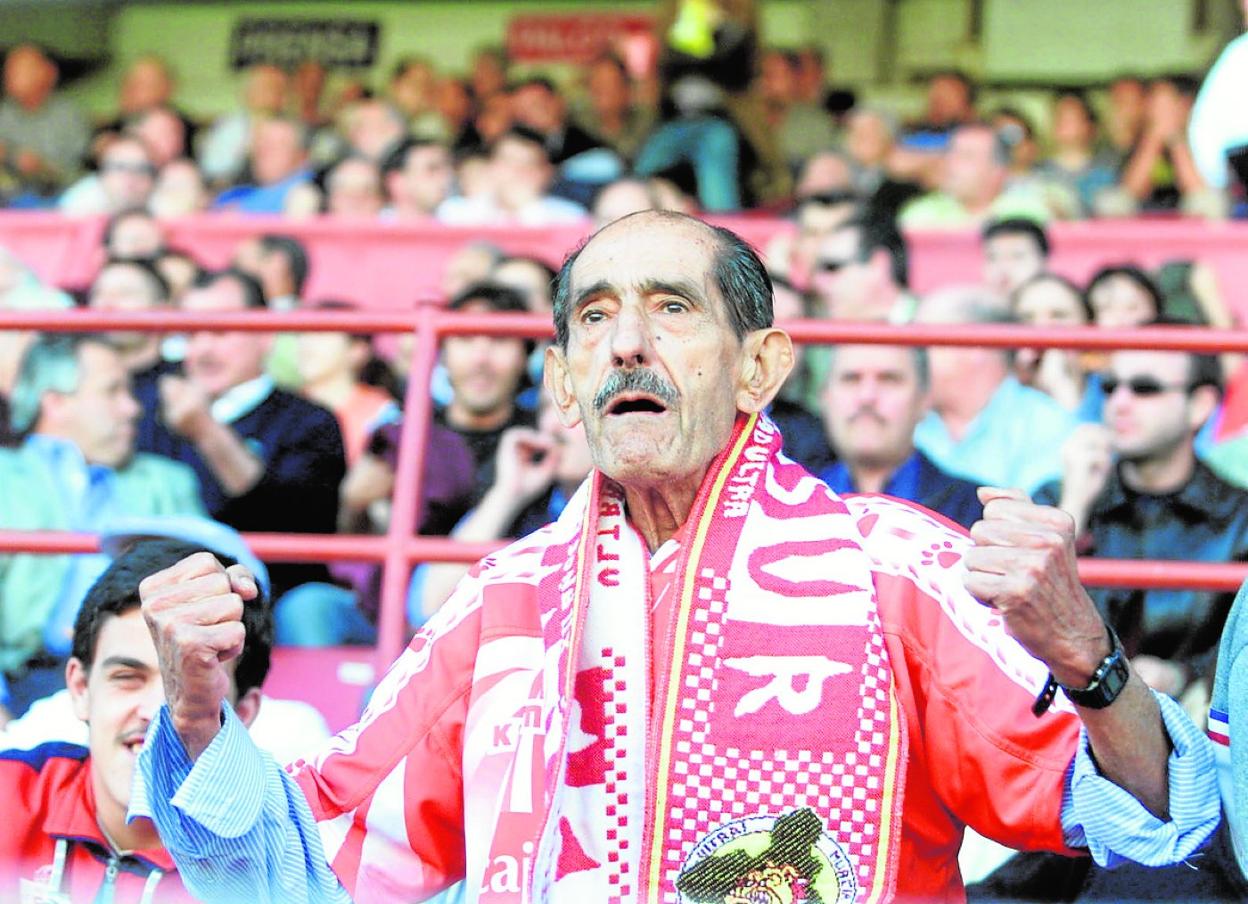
(300,433)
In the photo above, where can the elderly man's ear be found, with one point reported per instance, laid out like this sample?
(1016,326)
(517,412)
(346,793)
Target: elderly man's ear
(766,362)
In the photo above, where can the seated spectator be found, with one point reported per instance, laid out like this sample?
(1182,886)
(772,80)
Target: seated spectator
(792,254)
(951,97)
(862,272)
(418,176)
(985,426)
(537,106)
(133,233)
(620,198)
(179,191)
(332,367)
(486,375)
(1137,491)
(522,176)
(1017,131)
(279,163)
(353,189)
(1015,250)
(319,615)
(804,439)
(1078,163)
(610,113)
(280,264)
(1123,295)
(67,832)
(412,90)
(164,133)
(267,460)
(75,470)
(536,471)
(455,105)
(374,129)
(20,290)
(1125,114)
(803,128)
(125,180)
(532,278)
(224,147)
(1065,375)
(43,135)
(823,173)
(1160,172)
(180,270)
(871,145)
(488,76)
(973,186)
(136,285)
(874,398)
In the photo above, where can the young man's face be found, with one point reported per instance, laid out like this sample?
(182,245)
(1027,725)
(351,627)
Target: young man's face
(117,696)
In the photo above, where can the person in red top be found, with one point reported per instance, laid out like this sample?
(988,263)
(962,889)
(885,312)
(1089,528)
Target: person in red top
(65,835)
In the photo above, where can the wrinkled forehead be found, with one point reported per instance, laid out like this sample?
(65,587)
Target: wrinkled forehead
(641,251)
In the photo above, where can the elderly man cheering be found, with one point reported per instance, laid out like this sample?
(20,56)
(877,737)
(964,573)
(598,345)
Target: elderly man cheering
(710,677)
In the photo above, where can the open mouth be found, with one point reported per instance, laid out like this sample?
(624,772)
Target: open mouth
(636,404)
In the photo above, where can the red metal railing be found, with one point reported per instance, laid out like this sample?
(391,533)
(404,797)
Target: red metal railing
(398,549)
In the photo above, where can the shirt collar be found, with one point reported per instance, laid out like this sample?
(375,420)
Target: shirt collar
(239,401)
(71,814)
(62,453)
(1202,497)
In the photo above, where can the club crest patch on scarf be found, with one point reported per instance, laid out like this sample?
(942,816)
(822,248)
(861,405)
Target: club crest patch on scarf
(787,859)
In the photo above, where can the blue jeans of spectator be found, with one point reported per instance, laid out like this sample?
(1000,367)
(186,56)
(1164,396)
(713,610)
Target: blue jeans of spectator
(710,145)
(321,615)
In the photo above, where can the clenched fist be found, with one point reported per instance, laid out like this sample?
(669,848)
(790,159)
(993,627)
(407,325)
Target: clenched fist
(195,613)
(1023,564)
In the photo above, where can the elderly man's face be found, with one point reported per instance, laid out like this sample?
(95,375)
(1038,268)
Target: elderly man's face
(643,304)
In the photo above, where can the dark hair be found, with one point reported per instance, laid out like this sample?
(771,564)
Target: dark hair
(958,76)
(374,372)
(533,81)
(525,134)
(1081,98)
(120,217)
(1130,272)
(498,298)
(116,592)
(1203,369)
(876,233)
(1047,276)
(739,275)
(147,267)
(396,160)
(295,254)
(1018,226)
(253,292)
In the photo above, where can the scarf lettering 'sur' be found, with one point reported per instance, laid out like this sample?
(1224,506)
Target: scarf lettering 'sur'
(768,769)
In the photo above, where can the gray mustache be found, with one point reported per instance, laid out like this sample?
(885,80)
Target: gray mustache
(639,380)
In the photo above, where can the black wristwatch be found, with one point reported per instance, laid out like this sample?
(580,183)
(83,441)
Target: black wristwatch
(1107,682)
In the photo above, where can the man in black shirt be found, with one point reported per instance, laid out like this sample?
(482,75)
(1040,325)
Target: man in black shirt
(486,374)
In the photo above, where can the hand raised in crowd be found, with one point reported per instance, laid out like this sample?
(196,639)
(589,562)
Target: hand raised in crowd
(369,482)
(184,407)
(1087,459)
(1023,563)
(524,465)
(195,613)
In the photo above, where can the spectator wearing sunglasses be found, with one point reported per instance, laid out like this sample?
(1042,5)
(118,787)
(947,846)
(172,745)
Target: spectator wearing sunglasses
(125,180)
(861,271)
(1137,491)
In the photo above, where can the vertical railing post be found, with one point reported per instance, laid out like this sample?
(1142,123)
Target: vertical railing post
(408,482)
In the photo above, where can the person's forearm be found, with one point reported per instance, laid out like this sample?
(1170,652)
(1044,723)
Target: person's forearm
(231,462)
(1131,747)
(1186,175)
(1137,176)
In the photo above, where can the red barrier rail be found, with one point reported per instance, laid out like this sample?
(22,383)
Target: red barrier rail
(399,548)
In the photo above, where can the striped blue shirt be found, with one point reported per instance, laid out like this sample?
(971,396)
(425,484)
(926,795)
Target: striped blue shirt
(240,829)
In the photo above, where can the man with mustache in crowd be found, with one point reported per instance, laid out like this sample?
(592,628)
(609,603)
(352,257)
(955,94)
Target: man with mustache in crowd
(874,398)
(708,653)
